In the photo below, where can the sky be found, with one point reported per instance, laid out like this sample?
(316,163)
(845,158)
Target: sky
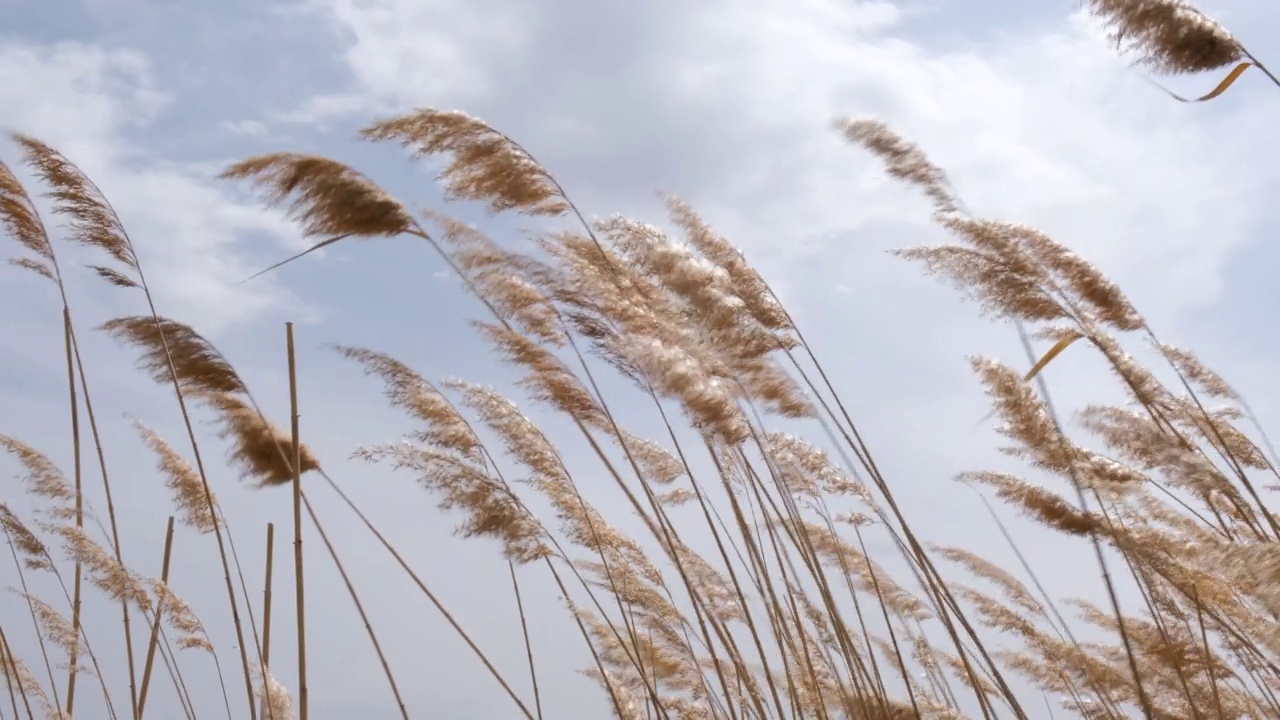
(728,105)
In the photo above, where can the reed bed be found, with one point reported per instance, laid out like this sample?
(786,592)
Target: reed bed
(744,588)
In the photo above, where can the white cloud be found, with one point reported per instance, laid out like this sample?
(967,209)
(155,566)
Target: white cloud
(400,50)
(96,106)
(78,97)
(731,102)
(250,128)
(1049,129)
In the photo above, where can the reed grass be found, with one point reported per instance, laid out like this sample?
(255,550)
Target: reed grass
(747,590)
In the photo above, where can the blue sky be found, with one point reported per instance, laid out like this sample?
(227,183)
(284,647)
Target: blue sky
(726,104)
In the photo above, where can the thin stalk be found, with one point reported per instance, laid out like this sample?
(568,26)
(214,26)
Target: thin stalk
(1113,597)
(364,617)
(528,646)
(266,596)
(79,485)
(1208,657)
(1265,71)
(296,467)
(155,624)
(35,622)
(106,490)
(244,594)
(435,601)
(11,671)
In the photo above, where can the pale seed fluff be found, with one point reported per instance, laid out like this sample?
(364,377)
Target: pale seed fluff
(1170,36)
(677,373)
(903,160)
(274,698)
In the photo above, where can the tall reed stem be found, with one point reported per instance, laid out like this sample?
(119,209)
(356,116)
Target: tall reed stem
(155,624)
(296,467)
(79,484)
(266,596)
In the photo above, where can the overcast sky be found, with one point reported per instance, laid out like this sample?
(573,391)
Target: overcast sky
(726,104)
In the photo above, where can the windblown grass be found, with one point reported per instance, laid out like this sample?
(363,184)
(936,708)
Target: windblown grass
(749,591)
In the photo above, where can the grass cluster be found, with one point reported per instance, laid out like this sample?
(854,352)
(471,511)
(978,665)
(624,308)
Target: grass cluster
(749,592)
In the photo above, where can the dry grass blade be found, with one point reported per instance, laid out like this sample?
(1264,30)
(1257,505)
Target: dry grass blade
(1053,352)
(487,166)
(1222,86)
(199,365)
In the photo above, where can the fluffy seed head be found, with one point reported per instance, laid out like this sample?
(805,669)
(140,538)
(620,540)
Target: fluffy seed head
(259,448)
(92,220)
(329,198)
(198,364)
(182,480)
(1170,36)
(903,160)
(486,166)
(43,478)
(23,223)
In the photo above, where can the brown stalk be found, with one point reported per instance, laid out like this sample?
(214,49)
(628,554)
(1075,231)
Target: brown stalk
(266,596)
(917,555)
(528,646)
(76,599)
(493,671)
(1204,643)
(1060,626)
(106,487)
(296,467)
(792,524)
(664,532)
(364,617)
(155,624)
(244,593)
(757,561)
(882,696)
(11,670)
